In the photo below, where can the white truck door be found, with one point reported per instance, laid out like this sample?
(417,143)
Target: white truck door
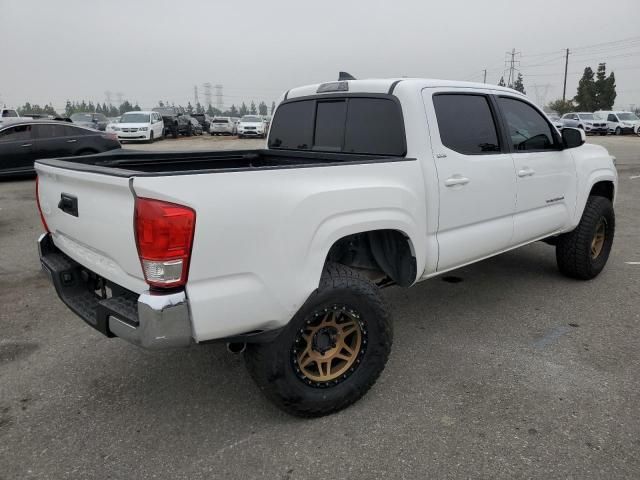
(476,180)
(545,173)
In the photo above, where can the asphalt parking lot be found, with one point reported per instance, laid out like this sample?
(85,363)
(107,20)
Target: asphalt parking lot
(508,371)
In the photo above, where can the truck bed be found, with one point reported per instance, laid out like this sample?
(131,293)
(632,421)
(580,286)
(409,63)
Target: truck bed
(125,163)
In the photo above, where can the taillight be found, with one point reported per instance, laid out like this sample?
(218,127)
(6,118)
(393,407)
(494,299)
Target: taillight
(110,136)
(44,222)
(164,235)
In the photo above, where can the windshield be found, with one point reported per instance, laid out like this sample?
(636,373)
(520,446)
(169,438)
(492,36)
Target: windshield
(627,116)
(135,118)
(81,117)
(165,110)
(9,113)
(586,116)
(249,118)
(554,117)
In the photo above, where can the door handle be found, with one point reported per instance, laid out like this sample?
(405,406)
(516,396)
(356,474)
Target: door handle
(72,141)
(526,172)
(456,180)
(26,145)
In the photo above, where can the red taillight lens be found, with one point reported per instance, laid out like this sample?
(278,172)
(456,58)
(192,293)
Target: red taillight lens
(110,136)
(164,234)
(44,222)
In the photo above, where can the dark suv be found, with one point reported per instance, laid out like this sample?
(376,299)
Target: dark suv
(175,121)
(90,120)
(203,119)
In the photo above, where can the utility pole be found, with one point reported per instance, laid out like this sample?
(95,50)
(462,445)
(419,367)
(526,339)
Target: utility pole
(512,62)
(196,101)
(566,66)
(485,76)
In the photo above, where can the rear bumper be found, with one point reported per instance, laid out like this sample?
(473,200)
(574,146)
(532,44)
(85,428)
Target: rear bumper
(134,136)
(148,320)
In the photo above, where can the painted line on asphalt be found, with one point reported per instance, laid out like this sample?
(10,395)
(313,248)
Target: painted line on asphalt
(632,263)
(634,177)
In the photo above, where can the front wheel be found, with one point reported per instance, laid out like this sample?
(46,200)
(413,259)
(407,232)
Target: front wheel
(584,252)
(151,137)
(331,352)
(618,131)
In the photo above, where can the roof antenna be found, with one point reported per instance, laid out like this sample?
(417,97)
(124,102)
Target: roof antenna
(345,76)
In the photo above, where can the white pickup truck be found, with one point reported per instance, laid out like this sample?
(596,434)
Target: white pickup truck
(364,184)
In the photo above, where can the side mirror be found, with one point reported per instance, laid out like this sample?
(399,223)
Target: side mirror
(573,137)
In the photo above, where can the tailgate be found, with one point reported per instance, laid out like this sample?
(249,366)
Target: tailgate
(90,216)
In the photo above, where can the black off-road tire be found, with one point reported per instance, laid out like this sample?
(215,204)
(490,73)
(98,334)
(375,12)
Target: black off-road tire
(272,364)
(174,131)
(151,139)
(573,249)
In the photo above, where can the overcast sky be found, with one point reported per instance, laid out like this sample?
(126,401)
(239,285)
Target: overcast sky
(54,50)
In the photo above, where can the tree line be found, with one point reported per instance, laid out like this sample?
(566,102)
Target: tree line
(110,110)
(596,91)
(232,111)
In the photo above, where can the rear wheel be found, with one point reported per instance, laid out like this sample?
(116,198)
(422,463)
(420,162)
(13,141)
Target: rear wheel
(332,351)
(584,252)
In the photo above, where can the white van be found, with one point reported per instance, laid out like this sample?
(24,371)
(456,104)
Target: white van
(145,126)
(620,122)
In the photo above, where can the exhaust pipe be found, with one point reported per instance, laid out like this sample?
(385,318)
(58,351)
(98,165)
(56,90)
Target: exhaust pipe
(236,347)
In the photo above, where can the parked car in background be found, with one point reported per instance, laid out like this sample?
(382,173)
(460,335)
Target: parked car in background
(203,119)
(223,126)
(8,115)
(136,126)
(252,126)
(97,121)
(24,141)
(556,120)
(620,122)
(175,121)
(585,121)
(196,128)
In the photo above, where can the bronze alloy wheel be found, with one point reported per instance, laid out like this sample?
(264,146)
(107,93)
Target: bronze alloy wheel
(598,238)
(328,349)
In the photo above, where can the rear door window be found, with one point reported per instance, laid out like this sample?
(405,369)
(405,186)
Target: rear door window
(359,125)
(18,133)
(466,123)
(49,131)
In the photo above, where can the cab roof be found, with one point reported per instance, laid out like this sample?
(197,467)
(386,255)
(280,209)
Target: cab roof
(384,85)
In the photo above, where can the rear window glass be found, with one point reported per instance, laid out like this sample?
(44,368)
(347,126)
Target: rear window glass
(349,125)
(330,118)
(17,133)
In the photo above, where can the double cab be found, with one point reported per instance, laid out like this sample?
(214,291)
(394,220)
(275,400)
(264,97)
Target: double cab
(363,184)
